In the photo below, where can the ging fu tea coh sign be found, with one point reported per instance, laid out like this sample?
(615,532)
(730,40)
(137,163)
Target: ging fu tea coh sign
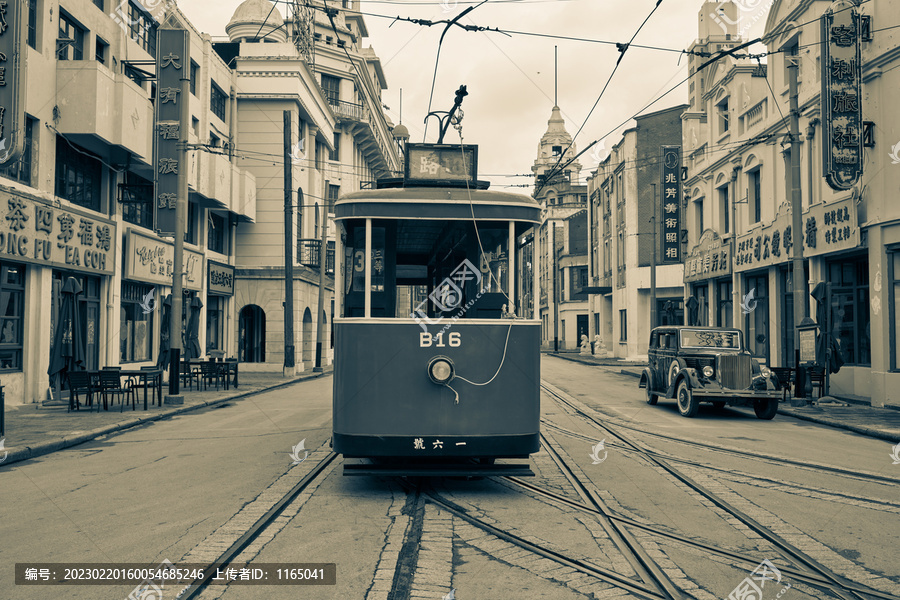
(12,79)
(842,136)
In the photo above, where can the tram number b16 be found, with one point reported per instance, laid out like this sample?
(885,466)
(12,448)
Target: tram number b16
(426,340)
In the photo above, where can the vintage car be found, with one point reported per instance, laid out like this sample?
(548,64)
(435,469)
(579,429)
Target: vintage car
(707,364)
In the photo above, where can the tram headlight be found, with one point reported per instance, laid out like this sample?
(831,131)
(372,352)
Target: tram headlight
(440,370)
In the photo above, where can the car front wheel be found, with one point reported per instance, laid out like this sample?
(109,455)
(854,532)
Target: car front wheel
(687,404)
(765,409)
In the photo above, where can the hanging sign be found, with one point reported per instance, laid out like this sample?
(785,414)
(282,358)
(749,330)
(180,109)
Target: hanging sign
(152,260)
(172,63)
(709,259)
(671,203)
(12,80)
(842,139)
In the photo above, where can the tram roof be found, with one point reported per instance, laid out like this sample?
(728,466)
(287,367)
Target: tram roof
(437,203)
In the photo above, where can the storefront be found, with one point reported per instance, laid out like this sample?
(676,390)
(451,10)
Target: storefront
(41,246)
(219,291)
(146,280)
(707,271)
(763,257)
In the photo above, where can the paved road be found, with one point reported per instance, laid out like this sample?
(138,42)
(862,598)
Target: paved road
(164,491)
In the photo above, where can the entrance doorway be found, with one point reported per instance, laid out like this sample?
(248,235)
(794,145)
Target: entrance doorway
(307,337)
(252,334)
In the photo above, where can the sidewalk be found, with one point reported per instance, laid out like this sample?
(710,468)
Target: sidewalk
(33,430)
(850,414)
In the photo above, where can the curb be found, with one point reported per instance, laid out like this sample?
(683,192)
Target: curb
(48,447)
(592,363)
(875,433)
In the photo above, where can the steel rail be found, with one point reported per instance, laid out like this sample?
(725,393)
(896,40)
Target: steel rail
(606,575)
(196,587)
(701,465)
(645,566)
(779,460)
(839,584)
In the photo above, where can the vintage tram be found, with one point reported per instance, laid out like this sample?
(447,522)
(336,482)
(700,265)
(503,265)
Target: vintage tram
(437,339)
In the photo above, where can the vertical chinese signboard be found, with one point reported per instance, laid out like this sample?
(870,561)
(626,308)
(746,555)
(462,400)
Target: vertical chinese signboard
(12,79)
(842,123)
(172,63)
(671,203)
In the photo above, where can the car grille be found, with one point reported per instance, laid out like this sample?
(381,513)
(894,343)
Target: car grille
(699,363)
(734,371)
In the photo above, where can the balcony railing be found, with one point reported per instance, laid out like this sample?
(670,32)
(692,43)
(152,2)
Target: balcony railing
(348,110)
(309,254)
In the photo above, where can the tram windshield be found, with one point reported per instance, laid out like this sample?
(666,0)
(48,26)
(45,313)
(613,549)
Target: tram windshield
(432,269)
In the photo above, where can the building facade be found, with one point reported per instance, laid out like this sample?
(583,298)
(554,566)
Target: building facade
(79,201)
(315,67)
(562,239)
(738,153)
(628,200)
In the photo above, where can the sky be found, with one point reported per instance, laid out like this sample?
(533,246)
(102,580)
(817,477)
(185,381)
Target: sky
(510,77)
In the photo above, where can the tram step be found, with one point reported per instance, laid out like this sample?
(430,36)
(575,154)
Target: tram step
(438,470)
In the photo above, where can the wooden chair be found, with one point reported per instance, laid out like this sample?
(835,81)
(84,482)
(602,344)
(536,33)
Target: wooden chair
(81,382)
(231,366)
(111,384)
(210,371)
(817,377)
(785,379)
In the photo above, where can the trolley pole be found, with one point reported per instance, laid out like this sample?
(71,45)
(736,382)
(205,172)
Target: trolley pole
(323,256)
(288,369)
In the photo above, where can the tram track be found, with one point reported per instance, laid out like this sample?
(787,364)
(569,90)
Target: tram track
(756,455)
(819,576)
(196,587)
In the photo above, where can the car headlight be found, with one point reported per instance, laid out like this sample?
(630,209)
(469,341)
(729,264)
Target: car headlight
(440,370)
(766,372)
(707,371)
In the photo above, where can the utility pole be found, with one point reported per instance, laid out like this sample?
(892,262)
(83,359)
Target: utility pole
(555,290)
(799,277)
(288,369)
(653,316)
(323,255)
(176,339)
(735,302)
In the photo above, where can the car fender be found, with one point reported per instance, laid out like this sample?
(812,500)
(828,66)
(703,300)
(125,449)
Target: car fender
(674,377)
(688,373)
(647,379)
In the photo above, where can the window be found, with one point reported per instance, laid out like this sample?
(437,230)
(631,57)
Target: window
(336,153)
(623,325)
(217,233)
(215,319)
(333,192)
(724,215)
(722,112)
(135,336)
(214,140)
(98,4)
(724,316)
(850,309)
(100,50)
(32,23)
(555,151)
(332,88)
(316,227)
(70,42)
(190,229)
(136,76)
(12,310)
(757,320)
(195,126)
(20,170)
(194,68)
(77,175)
(217,100)
(698,211)
(143,28)
(755,200)
(136,198)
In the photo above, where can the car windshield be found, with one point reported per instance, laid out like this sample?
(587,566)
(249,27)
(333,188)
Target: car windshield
(705,338)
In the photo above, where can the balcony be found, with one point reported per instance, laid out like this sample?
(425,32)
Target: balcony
(309,255)
(371,141)
(222,184)
(347,111)
(96,104)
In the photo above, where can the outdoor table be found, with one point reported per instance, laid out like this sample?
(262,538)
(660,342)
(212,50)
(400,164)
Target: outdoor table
(144,375)
(231,366)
